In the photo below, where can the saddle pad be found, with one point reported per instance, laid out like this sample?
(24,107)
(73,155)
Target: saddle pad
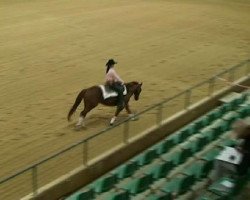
(107,92)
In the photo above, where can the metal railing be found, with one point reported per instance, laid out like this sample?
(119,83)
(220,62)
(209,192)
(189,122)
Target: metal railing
(37,175)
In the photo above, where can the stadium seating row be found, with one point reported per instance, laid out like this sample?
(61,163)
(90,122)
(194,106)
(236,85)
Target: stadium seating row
(174,165)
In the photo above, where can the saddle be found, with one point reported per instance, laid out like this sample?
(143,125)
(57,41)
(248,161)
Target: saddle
(107,92)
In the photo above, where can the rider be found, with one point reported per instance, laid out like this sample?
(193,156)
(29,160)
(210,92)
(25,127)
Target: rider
(114,81)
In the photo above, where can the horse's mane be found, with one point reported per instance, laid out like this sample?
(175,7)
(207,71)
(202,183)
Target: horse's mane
(132,83)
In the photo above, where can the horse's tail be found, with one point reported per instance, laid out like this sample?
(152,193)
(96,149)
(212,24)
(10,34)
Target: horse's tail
(76,104)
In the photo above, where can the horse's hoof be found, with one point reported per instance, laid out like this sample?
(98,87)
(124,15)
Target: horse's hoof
(135,118)
(111,124)
(79,127)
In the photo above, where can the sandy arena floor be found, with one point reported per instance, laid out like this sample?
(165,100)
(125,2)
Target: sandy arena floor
(52,49)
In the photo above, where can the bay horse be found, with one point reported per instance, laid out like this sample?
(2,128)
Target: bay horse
(92,96)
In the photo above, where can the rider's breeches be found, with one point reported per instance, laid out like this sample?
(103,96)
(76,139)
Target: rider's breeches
(119,89)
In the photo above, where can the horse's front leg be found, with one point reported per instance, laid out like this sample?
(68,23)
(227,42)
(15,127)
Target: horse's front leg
(128,109)
(113,119)
(130,114)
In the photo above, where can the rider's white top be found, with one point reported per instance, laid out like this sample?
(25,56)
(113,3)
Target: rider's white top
(112,76)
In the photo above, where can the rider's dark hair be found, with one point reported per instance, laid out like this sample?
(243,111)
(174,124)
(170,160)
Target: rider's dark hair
(108,68)
(110,64)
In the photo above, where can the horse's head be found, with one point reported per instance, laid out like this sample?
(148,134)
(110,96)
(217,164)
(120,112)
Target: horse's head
(136,89)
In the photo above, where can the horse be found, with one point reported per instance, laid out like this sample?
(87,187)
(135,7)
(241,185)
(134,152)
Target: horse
(92,96)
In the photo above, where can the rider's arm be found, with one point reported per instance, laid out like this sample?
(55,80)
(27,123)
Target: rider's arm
(117,77)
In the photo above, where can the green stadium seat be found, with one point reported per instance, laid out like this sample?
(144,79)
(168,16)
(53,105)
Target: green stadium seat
(178,157)
(228,143)
(222,110)
(145,157)
(159,170)
(86,194)
(138,184)
(199,169)
(202,141)
(234,103)
(159,195)
(105,183)
(163,146)
(211,155)
(188,146)
(184,134)
(170,142)
(244,110)
(243,98)
(209,133)
(116,195)
(177,138)
(125,170)
(221,189)
(189,130)
(232,98)
(214,114)
(220,126)
(196,144)
(245,95)
(178,185)
(210,196)
(201,122)
(231,117)
(239,100)
(226,107)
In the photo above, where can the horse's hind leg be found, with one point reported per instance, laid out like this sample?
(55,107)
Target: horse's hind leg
(87,108)
(80,121)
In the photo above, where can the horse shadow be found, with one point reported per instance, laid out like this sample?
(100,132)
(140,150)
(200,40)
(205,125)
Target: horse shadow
(97,120)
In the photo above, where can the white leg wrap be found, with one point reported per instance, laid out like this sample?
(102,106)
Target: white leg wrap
(80,121)
(112,120)
(132,116)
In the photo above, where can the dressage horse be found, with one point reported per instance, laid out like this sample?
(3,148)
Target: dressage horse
(92,96)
